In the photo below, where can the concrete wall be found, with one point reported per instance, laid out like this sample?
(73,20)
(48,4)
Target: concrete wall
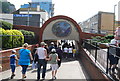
(7,18)
(107,21)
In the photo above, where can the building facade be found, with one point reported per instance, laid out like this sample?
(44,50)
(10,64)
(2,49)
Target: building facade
(101,23)
(45,5)
(7,18)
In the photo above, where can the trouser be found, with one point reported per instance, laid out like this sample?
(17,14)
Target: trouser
(41,62)
(24,68)
(13,68)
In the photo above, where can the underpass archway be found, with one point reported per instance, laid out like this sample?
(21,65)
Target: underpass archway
(60,28)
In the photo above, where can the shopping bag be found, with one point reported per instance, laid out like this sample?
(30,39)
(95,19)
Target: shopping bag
(34,65)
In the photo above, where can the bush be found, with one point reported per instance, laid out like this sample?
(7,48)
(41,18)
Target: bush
(12,38)
(29,37)
(105,39)
(6,25)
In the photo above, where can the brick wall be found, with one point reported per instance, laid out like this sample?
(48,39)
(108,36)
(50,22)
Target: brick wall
(5,56)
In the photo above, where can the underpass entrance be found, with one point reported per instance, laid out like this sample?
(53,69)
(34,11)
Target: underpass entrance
(61,28)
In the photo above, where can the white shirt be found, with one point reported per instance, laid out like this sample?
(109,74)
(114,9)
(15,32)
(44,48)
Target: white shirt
(41,53)
(113,42)
(70,50)
(66,50)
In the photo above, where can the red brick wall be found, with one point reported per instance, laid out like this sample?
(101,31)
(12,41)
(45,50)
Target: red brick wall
(5,56)
(89,35)
(94,73)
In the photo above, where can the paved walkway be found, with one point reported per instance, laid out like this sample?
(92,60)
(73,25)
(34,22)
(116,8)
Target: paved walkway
(68,70)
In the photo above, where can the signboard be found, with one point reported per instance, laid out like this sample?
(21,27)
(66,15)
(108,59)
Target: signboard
(22,15)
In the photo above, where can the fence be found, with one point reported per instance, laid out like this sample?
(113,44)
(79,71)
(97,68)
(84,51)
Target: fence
(101,57)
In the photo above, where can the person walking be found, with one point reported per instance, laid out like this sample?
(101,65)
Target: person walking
(53,57)
(42,55)
(13,59)
(24,59)
(60,54)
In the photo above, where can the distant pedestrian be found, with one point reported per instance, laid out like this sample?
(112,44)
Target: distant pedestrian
(42,55)
(65,52)
(51,46)
(24,60)
(70,52)
(74,53)
(60,55)
(13,59)
(53,57)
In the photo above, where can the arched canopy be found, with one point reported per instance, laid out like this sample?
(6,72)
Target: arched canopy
(57,28)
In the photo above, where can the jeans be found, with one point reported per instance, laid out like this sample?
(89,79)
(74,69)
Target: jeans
(41,62)
(13,68)
(24,68)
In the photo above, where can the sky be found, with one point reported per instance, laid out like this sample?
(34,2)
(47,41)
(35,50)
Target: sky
(79,10)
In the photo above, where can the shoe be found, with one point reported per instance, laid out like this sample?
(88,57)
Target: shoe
(12,76)
(55,77)
(25,77)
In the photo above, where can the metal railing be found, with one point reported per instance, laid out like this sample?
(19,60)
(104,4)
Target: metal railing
(100,56)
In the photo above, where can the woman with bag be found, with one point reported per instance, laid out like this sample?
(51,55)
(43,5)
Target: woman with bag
(24,60)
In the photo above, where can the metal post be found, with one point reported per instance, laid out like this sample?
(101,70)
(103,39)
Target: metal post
(107,61)
(95,51)
(114,19)
(28,20)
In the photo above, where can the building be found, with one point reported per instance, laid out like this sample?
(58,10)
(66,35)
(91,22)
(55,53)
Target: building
(119,11)
(30,17)
(7,17)
(101,23)
(45,5)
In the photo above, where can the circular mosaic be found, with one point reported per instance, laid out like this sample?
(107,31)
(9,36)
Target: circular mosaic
(61,29)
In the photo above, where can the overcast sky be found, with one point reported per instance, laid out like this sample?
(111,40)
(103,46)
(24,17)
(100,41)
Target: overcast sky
(79,10)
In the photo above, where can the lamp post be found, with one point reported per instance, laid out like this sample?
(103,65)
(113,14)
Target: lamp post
(114,19)
(28,14)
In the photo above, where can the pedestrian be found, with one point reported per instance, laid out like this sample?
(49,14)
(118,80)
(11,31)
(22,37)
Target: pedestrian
(42,55)
(13,59)
(35,56)
(70,52)
(51,46)
(60,54)
(24,60)
(74,53)
(53,57)
(65,52)
(111,57)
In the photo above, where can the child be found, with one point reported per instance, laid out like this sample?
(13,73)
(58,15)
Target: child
(53,57)
(13,59)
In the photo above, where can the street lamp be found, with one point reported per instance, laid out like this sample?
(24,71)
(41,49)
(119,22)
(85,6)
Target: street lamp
(114,19)
(28,13)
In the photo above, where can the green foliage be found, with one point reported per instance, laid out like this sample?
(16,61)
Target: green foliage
(12,38)
(6,25)
(29,37)
(105,39)
(5,7)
